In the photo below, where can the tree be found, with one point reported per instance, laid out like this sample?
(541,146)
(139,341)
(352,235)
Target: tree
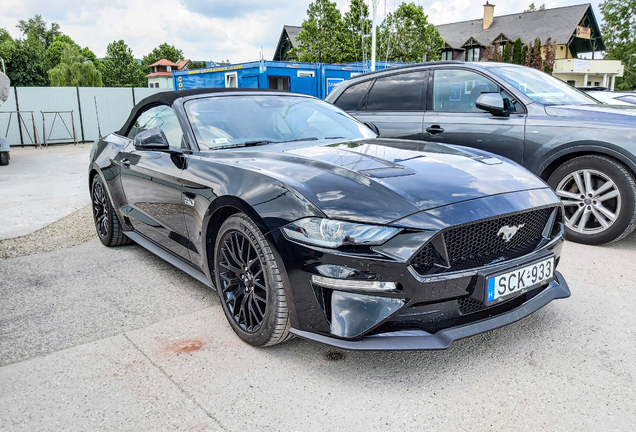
(517,53)
(533,58)
(533,8)
(38,28)
(54,51)
(27,65)
(197,64)
(120,69)
(524,54)
(356,24)
(7,46)
(491,53)
(320,40)
(549,50)
(619,34)
(407,36)
(74,70)
(163,51)
(507,53)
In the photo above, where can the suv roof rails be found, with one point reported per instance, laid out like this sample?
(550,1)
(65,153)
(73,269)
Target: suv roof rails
(408,66)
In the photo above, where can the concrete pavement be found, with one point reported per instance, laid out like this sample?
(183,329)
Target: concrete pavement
(118,339)
(41,186)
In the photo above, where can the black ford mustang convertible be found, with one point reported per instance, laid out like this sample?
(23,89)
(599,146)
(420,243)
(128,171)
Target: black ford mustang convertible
(309,225)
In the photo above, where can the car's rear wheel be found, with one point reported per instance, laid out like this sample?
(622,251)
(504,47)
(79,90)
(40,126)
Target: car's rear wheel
(106,223)
(250,279)
(4,158)
(599,198)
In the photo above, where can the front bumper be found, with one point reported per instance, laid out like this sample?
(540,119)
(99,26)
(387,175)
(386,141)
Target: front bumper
(422,340)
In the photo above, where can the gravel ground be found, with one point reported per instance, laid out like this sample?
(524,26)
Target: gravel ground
(73,230)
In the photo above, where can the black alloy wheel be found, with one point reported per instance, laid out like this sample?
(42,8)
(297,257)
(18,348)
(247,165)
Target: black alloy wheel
(599,199)
(250,279)
(106,223)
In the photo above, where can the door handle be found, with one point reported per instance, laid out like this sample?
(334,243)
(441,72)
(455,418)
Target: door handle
(434,130)
(125,162)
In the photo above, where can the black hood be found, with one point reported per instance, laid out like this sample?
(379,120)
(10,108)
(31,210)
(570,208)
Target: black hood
(386,179)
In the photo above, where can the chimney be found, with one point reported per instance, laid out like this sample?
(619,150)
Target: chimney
(489,15)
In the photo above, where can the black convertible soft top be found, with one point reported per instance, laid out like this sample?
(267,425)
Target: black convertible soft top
(168,97)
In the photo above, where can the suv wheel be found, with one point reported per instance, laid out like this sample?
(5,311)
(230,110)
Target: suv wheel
(599,199)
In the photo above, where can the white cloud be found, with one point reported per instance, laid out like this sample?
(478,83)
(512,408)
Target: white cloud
(210,29)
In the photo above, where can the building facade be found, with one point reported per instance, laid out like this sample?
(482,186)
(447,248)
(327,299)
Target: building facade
(161,73)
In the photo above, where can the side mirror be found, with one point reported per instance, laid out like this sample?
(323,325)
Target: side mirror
(151,139)
(493,103)
(373,127)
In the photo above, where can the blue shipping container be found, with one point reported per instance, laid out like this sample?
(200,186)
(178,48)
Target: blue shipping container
(314,79)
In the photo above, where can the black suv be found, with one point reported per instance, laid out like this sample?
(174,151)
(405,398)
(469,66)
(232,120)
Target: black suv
(584,149)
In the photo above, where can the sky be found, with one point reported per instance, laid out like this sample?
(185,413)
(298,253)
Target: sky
(234,30)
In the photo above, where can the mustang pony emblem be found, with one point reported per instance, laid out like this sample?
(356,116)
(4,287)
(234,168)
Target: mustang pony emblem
(508,231)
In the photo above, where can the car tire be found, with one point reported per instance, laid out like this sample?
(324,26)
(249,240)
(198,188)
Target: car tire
(106,222)
(605,210)
(4,158)
(250,279)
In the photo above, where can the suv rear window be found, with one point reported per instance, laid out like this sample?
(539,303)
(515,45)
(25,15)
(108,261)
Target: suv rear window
(402,92)
(350,98)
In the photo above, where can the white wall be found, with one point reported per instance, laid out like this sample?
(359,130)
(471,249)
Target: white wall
(113,106)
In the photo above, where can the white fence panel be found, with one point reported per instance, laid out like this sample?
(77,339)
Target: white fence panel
(113,107)
(11,130)
(40,99)
(144,92)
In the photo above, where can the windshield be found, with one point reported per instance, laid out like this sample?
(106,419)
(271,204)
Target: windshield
(234,121)
(542,88)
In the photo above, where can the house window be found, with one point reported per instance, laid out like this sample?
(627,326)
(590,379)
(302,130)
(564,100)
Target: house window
(302,74)
(447,55)
(231,80)
(151,85)
(572,83)
(168,68)
(472,53)
(597,83)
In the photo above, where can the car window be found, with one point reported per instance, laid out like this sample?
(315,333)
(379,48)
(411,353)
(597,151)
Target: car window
(163,117)
(629,99)
(457,90)
(402,92)
(541,87)
(350,98)
(236,120)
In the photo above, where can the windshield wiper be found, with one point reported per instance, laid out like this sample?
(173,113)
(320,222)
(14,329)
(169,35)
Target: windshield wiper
(245,144)
(301,139)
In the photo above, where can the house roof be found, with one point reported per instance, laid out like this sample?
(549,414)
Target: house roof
(292,32)
(159,74)
(182,63)
(557,23)
(163,62)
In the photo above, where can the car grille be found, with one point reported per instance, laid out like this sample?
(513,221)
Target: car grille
(478,244)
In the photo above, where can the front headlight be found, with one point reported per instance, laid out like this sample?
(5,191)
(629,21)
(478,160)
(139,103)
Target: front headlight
(332,233)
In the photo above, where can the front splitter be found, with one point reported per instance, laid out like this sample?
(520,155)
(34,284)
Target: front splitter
(422,340)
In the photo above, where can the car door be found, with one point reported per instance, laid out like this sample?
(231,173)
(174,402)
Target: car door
(394,104)
(453,118)
(151,181)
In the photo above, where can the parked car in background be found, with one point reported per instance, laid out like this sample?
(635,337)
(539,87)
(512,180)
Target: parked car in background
(307,224)
(613,98)
(586,151)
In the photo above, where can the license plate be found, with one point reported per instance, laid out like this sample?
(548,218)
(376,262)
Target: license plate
(520,280)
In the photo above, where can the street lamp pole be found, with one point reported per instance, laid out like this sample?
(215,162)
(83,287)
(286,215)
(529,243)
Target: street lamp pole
(374,6)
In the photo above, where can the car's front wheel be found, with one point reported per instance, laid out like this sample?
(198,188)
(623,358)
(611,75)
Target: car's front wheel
(4,158)
(250,278)
(599,199)
(106,223)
